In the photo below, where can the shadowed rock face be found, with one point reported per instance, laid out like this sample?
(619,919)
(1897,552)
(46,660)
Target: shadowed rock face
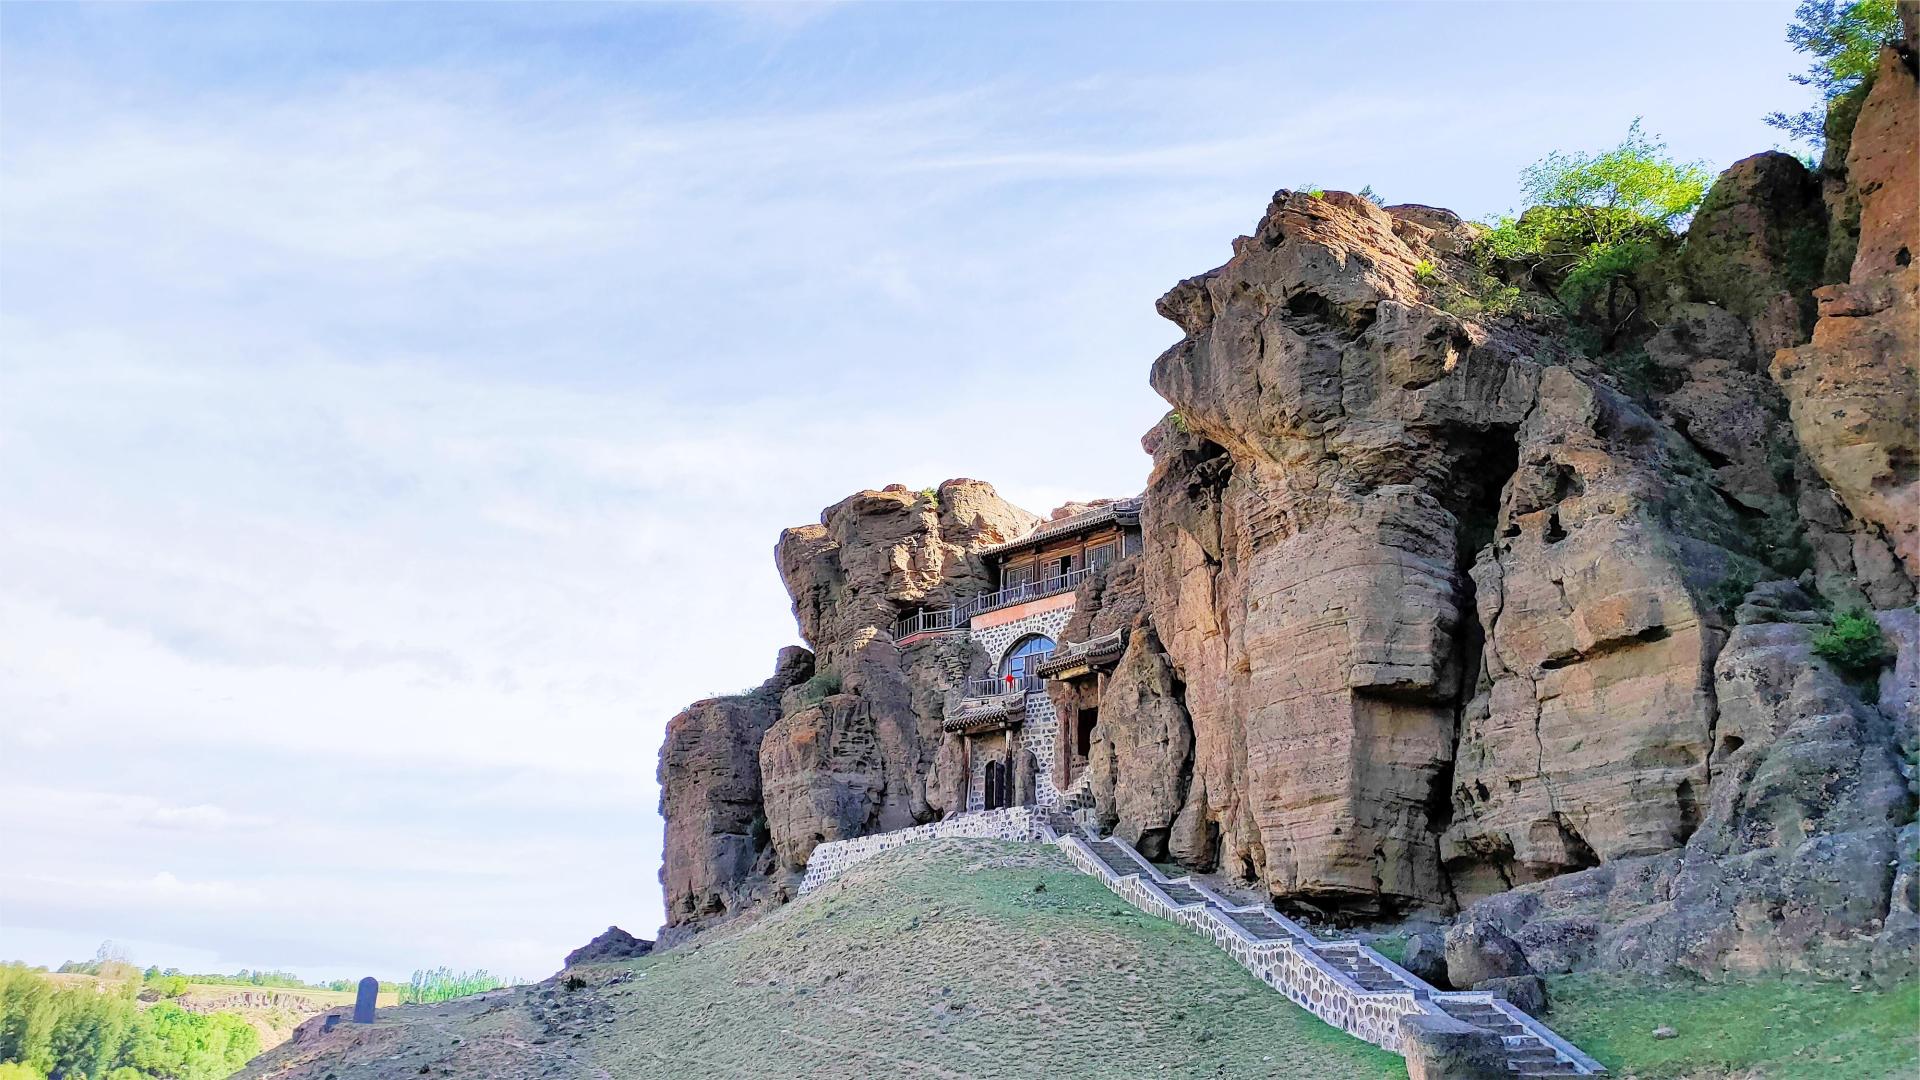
(715,855)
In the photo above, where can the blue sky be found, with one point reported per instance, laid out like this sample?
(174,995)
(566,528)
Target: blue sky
(400,404)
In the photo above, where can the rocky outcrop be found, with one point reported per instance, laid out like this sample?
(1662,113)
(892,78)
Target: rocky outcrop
(1758,244)
(845,739)
(860,750)
(615,944)
(1855,389)
(1365,489)
(715,855)
(877,554)
(1445,607)
(1797,863)
(1142,749)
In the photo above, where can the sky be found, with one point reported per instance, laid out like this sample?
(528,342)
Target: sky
(399,405)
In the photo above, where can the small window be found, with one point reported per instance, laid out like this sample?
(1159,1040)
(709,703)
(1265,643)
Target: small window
(1063,566)
(1013,576)
(1100,556)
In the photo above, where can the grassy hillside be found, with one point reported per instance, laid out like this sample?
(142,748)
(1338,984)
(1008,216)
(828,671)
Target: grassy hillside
(1779,1029)
(978,959)
(962,958)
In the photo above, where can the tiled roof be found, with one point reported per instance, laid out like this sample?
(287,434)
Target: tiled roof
(1122,511)
(988,712)
(1096,651)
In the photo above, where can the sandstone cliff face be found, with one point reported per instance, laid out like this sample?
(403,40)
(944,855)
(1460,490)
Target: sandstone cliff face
(1367,488)
(1798,863)
(862,753)
(716,854)
(1855,390)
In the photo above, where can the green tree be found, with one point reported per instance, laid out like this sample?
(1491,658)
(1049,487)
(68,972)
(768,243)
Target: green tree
(1593,220)
(171,1042)
(1844,40)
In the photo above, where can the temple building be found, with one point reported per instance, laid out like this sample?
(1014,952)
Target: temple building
(1016,746)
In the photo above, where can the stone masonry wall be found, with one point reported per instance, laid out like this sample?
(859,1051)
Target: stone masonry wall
(1021,823)
(996,639)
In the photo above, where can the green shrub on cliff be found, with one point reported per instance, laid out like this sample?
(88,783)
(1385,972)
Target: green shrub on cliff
(819,688)
(1595,219)
(1852,641)
(1844,41)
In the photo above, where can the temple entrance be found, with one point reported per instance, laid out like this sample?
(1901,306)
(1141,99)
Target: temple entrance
(998,786)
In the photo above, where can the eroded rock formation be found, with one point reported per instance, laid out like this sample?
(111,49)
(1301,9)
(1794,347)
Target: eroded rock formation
(845,740)
(1855,389)
(716,853)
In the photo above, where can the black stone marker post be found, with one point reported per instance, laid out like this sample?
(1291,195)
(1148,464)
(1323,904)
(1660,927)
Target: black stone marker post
(363,1005)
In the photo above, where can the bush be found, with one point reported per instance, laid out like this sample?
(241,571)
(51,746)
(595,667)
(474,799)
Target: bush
(168,986)
(820,687)
(80,1031)
(1731,591)
(1852,642)
(1844,41)
(1596,219)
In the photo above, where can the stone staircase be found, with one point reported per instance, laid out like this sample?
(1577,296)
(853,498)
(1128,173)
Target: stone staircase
(1343,983)
(1525,1056)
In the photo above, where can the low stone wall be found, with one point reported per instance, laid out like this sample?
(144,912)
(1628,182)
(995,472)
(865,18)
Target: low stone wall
(1292,967)
(1023,823)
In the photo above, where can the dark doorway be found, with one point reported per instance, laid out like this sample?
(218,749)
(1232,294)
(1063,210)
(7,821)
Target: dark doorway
(999,786)
(1083,733)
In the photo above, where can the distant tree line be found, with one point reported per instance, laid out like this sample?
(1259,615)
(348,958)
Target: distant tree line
(98,1031)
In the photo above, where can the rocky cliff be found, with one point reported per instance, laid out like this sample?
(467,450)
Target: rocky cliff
(1452,606)
(844,740)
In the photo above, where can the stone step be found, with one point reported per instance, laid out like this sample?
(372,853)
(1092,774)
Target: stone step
(1257,924)
(1117,860)
(1182,894)
(1361,969)
(1528,1056)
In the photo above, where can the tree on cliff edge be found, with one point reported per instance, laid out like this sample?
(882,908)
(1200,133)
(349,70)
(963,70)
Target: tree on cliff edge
(1844,41)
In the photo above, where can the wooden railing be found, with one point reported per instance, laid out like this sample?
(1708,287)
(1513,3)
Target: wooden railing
(934,620)
(928,620)
(1026,590)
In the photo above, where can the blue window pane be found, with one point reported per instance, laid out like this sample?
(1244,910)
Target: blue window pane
(1028,650)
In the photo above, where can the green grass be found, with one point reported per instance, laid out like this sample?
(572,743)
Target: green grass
(1391,946)
(952,955)
(1777,1028)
